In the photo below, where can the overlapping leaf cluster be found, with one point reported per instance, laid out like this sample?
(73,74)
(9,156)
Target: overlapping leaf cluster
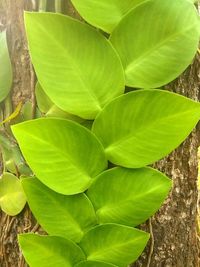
(88,210)
(12,197)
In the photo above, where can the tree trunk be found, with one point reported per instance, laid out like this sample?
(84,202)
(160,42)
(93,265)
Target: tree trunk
(174,229)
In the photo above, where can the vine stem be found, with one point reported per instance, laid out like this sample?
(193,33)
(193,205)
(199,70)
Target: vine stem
(151,244)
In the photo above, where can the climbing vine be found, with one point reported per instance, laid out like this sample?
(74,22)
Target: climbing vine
(88,150)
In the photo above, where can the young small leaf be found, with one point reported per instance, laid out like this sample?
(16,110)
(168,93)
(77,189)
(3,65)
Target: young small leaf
(46,106)
(44,103)
(59,215)
(61,153)
(143,126)
(49,251)
(116,244)
(128,196)
(12,196)
(157,41)
(94,264)
(5,68)
(75,64)
(104,14)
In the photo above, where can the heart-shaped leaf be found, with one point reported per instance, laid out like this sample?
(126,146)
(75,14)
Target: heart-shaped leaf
(143,126)
(114,243)
(94,264)
(75,64)
(12,196)
(59,215)
(157,41)
(128,196)
(61,153)
(104,14)
(49,251)
(5,68)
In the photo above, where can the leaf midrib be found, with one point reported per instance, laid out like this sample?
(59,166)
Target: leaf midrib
(145,129)
(80,170)
(112,206)
(98,254)
(75,66)
(140,59)
(64,211)
(46,251)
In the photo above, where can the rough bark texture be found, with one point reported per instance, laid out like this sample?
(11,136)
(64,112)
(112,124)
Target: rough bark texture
(174,230)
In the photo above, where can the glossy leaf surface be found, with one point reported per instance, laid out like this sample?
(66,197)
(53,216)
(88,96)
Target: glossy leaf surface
(59,215)
(61,153)
(75,64)
(113,243)
(104,14)
(169,40)
(5,68)
(128,196)
(142,127)
(12,196)
(49,251)
(94,264)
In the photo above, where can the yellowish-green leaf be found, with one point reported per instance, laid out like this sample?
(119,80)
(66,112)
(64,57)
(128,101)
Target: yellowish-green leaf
(75,64)
(5,68)
(12,196)
(157,41)
(128,196)
(49,251)
(63,155)
(105,14)
(143,126)
(59,215)
(113,243)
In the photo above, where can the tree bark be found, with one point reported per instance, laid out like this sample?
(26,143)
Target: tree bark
(174,229)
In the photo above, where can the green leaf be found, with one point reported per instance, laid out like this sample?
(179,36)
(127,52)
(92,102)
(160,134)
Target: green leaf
(12,157)
(76,65)
(59,215)
(113,243)
(49,108)
(94,264)
(61,153)
(104,14)
(5,68)
(157,41)
(49,251)
(142,127)
(12,197)
(128,196)
(43,101)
